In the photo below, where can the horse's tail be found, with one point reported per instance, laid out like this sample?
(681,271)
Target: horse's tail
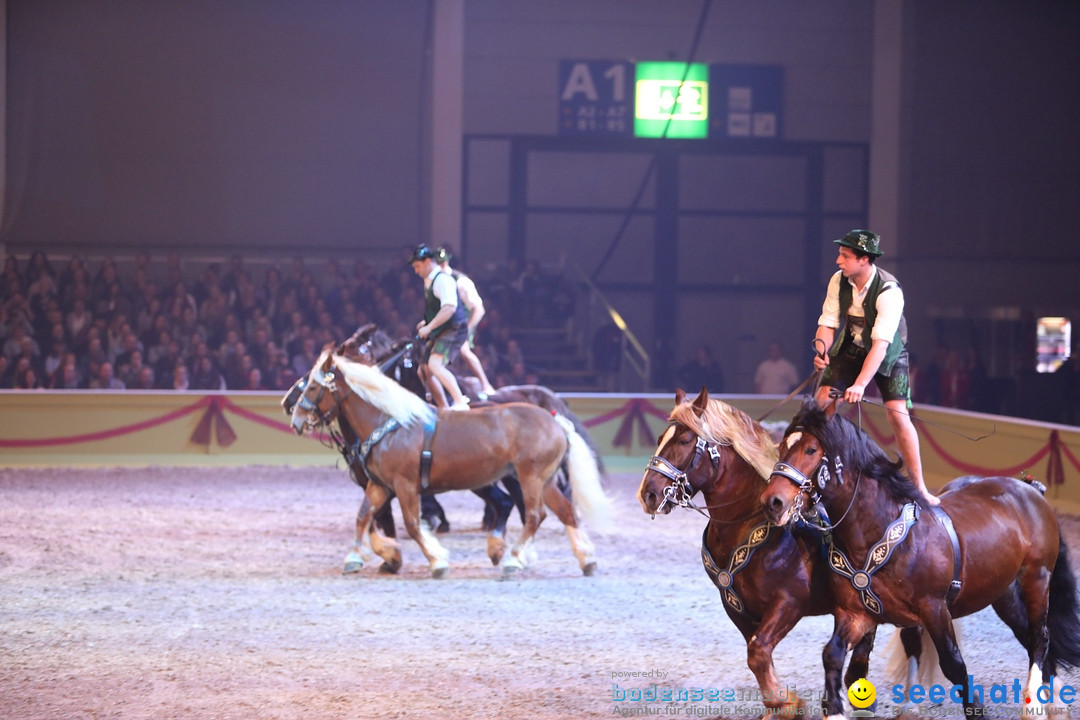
(1063,616)
(587,493)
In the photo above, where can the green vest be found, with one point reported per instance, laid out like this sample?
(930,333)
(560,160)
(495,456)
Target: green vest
(882,282)
(432,305)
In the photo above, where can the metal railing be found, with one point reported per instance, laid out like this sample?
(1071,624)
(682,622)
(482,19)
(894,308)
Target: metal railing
(633,370)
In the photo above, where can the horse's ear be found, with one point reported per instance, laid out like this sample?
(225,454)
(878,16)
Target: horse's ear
(680,396)
(364,330)
(832,407)
(702,401)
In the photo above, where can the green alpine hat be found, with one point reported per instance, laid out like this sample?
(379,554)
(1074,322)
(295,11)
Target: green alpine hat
(861,240)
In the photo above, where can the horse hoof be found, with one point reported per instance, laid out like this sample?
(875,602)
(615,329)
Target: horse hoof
(510,571)
(440,572)
(496,548)
(389,568)
(589,569)
(352,567)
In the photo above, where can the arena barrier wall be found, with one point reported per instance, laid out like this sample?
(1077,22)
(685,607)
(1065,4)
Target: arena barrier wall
(135,428)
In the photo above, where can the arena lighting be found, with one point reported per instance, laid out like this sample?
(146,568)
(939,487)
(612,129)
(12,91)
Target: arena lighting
(671,99)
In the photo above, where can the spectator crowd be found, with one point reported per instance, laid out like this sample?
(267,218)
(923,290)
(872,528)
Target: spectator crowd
(229,327)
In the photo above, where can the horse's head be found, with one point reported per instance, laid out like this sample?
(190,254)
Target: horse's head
(804,469)
(316,396)
(676,473)
(366,345)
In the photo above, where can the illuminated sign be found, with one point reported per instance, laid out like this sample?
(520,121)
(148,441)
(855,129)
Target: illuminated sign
(671,100)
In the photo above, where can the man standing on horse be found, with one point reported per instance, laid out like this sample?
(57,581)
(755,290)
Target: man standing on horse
(474,308)
(869,304)
(444,325)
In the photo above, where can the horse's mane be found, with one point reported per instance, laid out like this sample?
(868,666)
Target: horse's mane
(382,392)
(724,425)
(840,436)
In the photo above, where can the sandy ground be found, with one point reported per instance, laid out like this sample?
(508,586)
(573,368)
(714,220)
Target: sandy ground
(218,593)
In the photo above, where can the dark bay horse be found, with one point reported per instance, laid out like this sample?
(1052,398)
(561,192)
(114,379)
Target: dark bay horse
(769,577)
(898,563)
(467,450)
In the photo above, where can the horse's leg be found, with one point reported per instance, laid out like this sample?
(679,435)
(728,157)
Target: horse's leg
(499,505)
(937,622)
(384,545)
(847,628)
(510,482)
(532,487)
(580,543)
(438,557)
(859,665)
(431,511)
(760,643)
(1034,592)
(354,560)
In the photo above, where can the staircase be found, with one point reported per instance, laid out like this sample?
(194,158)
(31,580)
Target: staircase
(557,358)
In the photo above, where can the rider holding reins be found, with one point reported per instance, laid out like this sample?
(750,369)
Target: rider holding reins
(868,304)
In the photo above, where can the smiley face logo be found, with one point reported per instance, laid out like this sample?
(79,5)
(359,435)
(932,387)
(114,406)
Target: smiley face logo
(862,693)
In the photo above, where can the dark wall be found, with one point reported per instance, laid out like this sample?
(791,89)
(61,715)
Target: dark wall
(203,124)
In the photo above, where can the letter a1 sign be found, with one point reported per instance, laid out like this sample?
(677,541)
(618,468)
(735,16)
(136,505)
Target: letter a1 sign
(595,97)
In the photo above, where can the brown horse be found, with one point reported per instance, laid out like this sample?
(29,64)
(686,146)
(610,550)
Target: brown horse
(465,450)
(769,577)
(997,543)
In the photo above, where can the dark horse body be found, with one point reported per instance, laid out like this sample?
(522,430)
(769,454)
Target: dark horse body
(1012,556)
(468,450)
(769,577)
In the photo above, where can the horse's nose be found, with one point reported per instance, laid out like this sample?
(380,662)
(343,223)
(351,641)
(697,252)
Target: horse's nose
(774,506)
(649,500)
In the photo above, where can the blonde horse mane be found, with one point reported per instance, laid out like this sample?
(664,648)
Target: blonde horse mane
(380,391)
(722,424)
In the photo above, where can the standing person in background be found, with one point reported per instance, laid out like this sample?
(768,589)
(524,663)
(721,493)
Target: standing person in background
(775,375)
(444,325)
(872,344)
(474,308)
(702,371)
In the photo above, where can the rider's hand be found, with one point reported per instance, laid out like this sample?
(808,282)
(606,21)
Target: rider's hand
(821,362)
(422,331)
(854,393)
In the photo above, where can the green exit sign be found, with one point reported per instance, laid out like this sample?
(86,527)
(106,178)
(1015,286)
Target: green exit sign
(671,100)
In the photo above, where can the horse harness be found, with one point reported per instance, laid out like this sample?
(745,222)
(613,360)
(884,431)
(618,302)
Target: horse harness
(879,553)
(360,450)
(680,493)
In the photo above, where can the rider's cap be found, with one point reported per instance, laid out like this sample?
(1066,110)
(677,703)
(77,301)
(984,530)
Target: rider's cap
(441,256)
(861,240)
(422,252)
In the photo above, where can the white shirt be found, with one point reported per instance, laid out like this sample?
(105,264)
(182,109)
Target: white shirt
(890,308)
(445,289)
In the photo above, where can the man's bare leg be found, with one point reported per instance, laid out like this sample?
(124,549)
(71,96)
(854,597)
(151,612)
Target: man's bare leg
(477,368)
(444,376)
(907,444)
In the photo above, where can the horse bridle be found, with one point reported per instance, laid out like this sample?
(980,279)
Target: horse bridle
(680,492)
(816,516)
(326,382)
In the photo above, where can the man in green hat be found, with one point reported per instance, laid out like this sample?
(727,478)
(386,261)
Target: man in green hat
(866,305)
